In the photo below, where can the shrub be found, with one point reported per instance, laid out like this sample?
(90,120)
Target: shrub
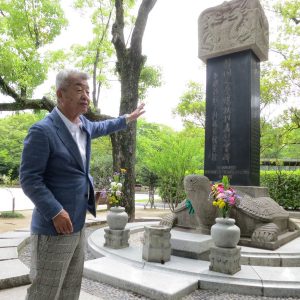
(284,187)
(10,215)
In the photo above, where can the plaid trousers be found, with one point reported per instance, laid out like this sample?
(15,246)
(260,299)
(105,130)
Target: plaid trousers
(56,266)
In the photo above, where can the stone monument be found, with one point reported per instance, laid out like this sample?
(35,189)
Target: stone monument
(233,39)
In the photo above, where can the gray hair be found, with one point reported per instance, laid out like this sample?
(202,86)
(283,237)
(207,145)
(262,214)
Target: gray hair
(64,76)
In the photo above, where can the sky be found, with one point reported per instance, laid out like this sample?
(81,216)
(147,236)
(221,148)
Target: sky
(170,41)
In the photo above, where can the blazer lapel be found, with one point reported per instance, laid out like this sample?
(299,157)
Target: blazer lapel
(66,138)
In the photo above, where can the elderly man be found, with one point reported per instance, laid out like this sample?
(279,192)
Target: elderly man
(54,174)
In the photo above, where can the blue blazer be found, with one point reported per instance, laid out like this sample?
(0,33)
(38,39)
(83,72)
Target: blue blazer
(52,174)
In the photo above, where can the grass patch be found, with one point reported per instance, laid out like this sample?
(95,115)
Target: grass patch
(11,215)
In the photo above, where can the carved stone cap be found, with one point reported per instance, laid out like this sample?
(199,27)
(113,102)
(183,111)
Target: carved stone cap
(233,26)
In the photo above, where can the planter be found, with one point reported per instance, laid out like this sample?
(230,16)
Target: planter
(225,233)
(117,218)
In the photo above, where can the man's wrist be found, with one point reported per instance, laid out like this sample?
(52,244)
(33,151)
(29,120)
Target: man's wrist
(57,214)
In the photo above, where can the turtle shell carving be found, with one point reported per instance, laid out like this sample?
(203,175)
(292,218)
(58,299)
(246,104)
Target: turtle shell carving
(263,208)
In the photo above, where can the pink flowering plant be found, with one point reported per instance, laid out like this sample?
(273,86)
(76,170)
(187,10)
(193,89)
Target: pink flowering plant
(114,194)
(224,196)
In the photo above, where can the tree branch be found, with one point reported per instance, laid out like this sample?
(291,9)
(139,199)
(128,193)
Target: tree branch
(118,30)
(7,90)
(43,103)
(140,24)
(279,52)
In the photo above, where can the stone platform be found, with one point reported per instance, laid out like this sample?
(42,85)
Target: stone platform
(263,272)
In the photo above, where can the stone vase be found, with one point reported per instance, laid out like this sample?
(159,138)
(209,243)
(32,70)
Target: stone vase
(225,233)
(117,218)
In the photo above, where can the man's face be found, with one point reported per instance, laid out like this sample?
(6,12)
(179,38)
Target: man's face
(74,97)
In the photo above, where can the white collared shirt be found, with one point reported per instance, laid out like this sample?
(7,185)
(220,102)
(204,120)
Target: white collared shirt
(77,133)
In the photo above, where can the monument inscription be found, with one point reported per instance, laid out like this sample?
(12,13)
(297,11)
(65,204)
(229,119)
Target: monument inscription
(232,119)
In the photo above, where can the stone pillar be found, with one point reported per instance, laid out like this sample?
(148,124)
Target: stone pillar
(225,260)
(233,39)
(116,239)
(156,244)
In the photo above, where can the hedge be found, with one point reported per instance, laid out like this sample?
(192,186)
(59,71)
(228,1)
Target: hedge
(284,187)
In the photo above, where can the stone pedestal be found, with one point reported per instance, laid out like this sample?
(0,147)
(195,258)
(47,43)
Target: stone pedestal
(156,244)
(225,260)
(116,239)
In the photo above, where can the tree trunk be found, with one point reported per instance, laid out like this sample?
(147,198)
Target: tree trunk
(129,66)
(124,153)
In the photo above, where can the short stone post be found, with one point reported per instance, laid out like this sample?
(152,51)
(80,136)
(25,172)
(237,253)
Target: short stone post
(225,260)
(156,244)
(116,239)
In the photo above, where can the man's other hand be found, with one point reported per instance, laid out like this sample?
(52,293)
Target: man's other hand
(62,223)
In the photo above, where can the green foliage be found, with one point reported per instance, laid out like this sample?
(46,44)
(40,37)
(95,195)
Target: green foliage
(148,178)
(25,26)
(290,12)
(13,130)
(280,139)
(8,180)
(191,107)
(101,166)
(11,215)
(284,187)
(150,77)
(169,154)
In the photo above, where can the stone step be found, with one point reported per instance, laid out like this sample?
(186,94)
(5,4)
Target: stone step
(255,280)
(152,283)
(13,273)
(8,253)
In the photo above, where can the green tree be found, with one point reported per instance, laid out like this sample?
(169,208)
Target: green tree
(130,62)
(25,26)
(280,82)
(170,155)
(13,130)
(191,107)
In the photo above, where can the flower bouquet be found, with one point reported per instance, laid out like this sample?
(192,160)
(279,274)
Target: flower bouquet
(224,196)
(114,194)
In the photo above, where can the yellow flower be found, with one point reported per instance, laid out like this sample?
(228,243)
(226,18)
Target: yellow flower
(221,204)
(215,203)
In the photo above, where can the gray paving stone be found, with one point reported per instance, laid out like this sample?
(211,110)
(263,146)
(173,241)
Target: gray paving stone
(144,281)
(14,235)
(8,253)
(11,242)
(13,273)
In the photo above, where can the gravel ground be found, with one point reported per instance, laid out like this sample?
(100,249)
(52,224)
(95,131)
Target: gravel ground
(108,292)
